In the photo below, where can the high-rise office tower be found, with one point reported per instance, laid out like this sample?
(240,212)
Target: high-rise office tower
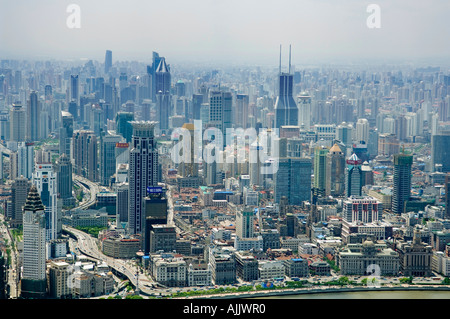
(25,159)
(74,89)
(122,205)
(440,151)
(220,112)
(293,180)
(151,70)
(63,169)
(44,179)
(107,156)
(163,96)
(85,154)
(286,111)
(344,134)
(48,92)
(245,223)
(197,101)
(155,213)
(353,176)
(447,196)
(241,113)
(66,134)
(402,182)
(189,168)
(304,110)
(335,181)
(123,125)
(142,173)
(33,283)
(17,118)
(320,170)
(362,130)
(19,192)
(33,117)
(108,61)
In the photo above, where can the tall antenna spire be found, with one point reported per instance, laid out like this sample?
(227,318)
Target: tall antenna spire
(289,59)
(279,68)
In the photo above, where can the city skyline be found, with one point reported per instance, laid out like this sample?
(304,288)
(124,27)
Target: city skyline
(203,31)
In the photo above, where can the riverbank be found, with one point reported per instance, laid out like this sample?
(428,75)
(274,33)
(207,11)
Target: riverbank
(287,293)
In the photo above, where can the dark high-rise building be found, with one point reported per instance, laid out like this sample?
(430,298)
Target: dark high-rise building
(74,89)
(66,133)
(107,157)
(440,151)
(17,123)
(155,210)
(447,196)
(335,172)
(163,96)
(19,192)
(402,181)
(241,113)
(353,176)
(85,154)
(142,173)
(286,110)
(293,180)
(108,60)
(123,125)
(63,170)
(197,101)
(151,70)
(34,281)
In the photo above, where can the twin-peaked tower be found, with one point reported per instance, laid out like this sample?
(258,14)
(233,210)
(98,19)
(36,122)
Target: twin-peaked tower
(286,111)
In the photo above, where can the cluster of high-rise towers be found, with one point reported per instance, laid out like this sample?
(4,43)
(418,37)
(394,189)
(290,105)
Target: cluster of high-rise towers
(114,129)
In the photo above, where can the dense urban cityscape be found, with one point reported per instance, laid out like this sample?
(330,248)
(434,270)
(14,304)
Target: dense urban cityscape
(157,179)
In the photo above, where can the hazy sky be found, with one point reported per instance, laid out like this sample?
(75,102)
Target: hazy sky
(224,30)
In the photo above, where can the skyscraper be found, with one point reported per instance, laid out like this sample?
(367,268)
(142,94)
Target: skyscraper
(320,170)
(220,112)
(19,192)
(362,130)
(440,151)
(66,133)
(74,89)
(108,61)
(402,181)
(17,118)
(107,156)
(33,116)
(123,125)
(155,213)
(241,114)
(244,223)
(33,283)
(353,176)
(335,181)
(304,110)
(25,159)
(85,154)
(44,179)
(286,111)
(142,173)
(163,96)
(64,179)
(293,180)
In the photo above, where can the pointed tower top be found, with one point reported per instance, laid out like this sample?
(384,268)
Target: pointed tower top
(34,202)
(162,67)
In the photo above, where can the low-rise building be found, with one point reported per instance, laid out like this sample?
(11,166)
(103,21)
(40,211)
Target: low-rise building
(246,266)
(271,269)
(120,247)
(199,275)
(296,267)
(320,268)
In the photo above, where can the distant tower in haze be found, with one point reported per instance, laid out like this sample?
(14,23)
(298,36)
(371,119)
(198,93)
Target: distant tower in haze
(33,283)
(33,115)
(108,61)
(85,154)
(17,124)
(75,89)
(286,111)
(163,96)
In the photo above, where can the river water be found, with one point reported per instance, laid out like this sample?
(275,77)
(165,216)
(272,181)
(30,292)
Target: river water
(369,295)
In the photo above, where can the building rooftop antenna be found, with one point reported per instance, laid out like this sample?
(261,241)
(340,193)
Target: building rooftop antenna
(289,59)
